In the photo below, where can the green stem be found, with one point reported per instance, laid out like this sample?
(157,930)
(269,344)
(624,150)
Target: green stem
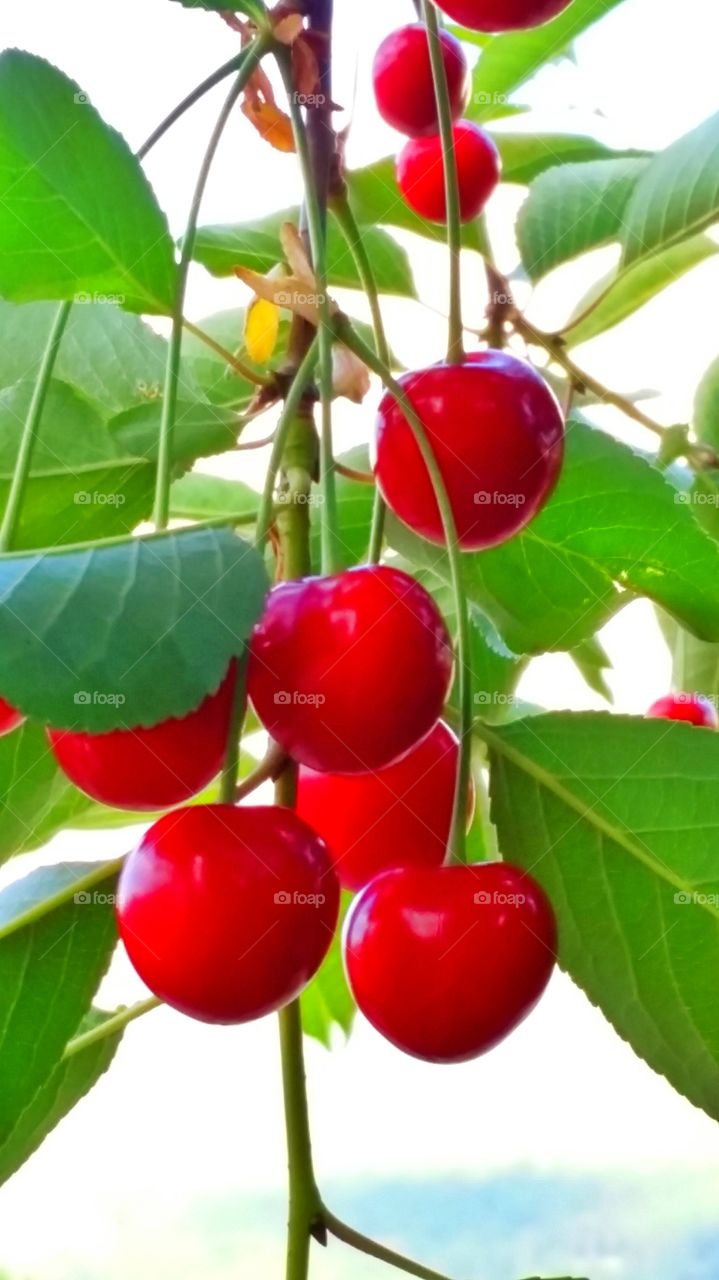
(315,202)
(455,348)
(348,224)
(231,765)
(364,1244)
(251,58)
(11,518)
(111,1026)
(293,400)
(216,78)
(347,334)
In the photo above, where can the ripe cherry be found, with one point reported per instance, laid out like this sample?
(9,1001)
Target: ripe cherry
(398,816)
(445,962)
(690,707)
(420,173)
(497,433)
(349,672)
(9,718)
(150,768)
(403,83)
(226,913)
(502,15)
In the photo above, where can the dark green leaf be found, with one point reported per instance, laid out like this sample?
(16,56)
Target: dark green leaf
(78,217)
(125,633)
(619,820)
(327,1002)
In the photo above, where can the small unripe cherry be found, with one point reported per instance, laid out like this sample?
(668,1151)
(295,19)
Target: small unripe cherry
(403,83)
(420,173)
(689,707)
(502,15)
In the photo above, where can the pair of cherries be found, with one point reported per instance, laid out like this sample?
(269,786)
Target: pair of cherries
(405,96)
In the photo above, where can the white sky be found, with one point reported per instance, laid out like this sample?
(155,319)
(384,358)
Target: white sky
(187,1108)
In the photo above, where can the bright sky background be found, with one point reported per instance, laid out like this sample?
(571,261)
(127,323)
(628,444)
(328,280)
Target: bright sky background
(190,1109)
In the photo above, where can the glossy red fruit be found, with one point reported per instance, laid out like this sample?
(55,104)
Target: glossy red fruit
(497,433)
(403,84)
(502,15)
(226,913)
(420,173)
(398,816)
(9,718)
(690,707)
(349,672)
(446,962)
(150,768)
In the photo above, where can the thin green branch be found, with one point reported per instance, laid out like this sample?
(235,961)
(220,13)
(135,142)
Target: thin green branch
(250,60)
(299,385)
(346,334)
(227,69)
(364,1244)
(455,349)
(234,363)
(231,765)
(111,1026)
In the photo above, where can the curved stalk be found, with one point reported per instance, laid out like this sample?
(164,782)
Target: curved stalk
(455,349)
(236,365)
(364,1244)
(110,1026)
(252,56)
(457,840)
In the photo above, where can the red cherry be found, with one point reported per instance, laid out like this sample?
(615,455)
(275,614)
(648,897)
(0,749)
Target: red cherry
(398,816)
(403,83)
(9,718)
(497,432)
(227,913)
(690,707)
(502,15)
(150,768)
(445,962)
(420,173)
(349,672)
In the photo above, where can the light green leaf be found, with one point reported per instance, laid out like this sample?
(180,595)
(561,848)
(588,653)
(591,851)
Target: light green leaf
(677,195)
(592,661)
(706,407)
(376,200)
(128,632)
(78,216)
(327,1002)
(526,155)
(201,497)
(619,820)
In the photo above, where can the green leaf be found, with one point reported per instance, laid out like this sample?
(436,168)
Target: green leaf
(111,358)
(56,940)
(257,245)
(695,664)
(78,216)
(129,632)
(526,155)
(375,199)
(619,819)
(573,208)
(592,661)
(613,518)
(621,293)
(355,502)
(92,477)
(677,196)
(201,497)
(508,61)
(706,407)
(70,1080)
(327,1002)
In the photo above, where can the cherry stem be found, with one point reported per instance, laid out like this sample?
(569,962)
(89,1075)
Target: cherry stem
(111,1026)
(364,1244)
(268,770)
(343,212)
(293,400)
(251,59)
(231,765)
(455,348)
(314,164)
(237,366)
(457,839)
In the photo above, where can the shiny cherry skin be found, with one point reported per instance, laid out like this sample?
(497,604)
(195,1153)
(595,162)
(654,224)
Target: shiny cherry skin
(690,707)
(502,15)
(152,768)
(398,816)
(226,913)
(446,962)
(349,672)
(420,173)
(9,718)
(403,84)
(497,433)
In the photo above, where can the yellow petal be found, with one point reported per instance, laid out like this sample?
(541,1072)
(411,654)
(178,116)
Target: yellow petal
(262,326)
